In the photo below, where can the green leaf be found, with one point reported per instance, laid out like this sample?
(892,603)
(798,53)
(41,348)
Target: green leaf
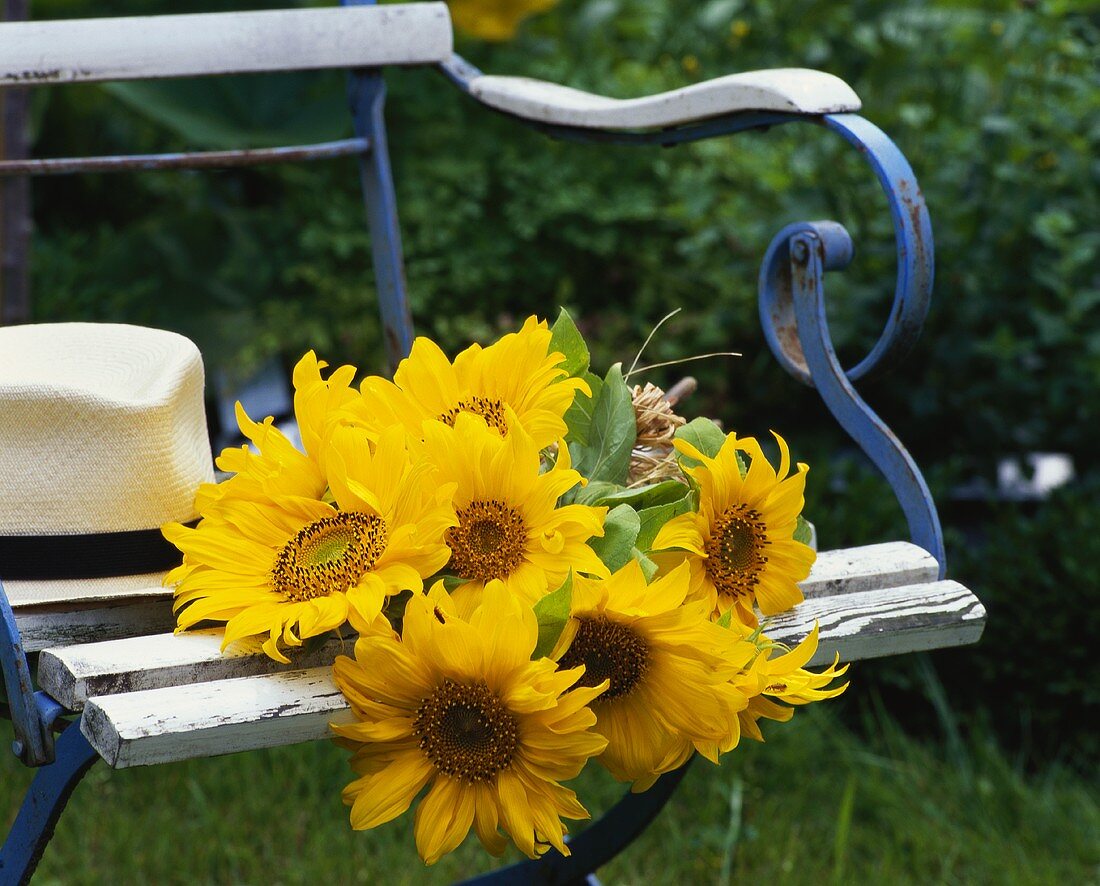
(578,417)
(661,493)
(804,532)
(649,568)
(566,338)
(620,530)
(652,519)
(613,494)
(704,435)
(707,437)
(597,493)
(552,612)
(611,435)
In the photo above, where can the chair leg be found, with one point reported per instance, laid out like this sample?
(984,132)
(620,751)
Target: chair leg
(42,806)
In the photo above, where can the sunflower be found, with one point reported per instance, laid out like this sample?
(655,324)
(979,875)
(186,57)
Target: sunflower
(292,566)
(509,524)
(740,543)
(495,20)
(669,668)
(515,373)
(458,704)
(786,679)
(319,405)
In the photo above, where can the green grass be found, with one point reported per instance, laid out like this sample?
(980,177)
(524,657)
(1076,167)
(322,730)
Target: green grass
(815,805)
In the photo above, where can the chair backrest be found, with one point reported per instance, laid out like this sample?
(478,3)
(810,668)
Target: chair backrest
(146,47)
(358,36)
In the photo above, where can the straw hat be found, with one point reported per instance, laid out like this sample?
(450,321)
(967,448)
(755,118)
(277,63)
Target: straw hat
(102,440)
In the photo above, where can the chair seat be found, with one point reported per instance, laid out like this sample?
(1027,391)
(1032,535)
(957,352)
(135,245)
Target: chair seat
(155,699)
(224,716)
(789,90)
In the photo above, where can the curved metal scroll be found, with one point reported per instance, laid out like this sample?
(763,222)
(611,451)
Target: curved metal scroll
(43,804)
(913,234)
(792,312)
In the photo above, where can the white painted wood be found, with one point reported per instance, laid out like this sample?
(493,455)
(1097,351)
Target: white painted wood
(41,627)
(871,624)
(223,43)
(226,716)
(211,719)
(794,90)
(865,568)
(72,674)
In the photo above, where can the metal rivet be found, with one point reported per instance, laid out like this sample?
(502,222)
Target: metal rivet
(801,251)
(17,748)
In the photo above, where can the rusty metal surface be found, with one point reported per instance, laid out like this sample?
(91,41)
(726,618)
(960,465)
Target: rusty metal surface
(792,284)
(187,160)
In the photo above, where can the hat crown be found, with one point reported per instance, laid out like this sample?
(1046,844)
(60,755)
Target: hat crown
(102,428)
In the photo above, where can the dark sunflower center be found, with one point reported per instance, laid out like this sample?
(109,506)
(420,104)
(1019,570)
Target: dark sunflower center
(488,541)
(466,731)
(489,409)
(609,651)
(736,551)
(329,555)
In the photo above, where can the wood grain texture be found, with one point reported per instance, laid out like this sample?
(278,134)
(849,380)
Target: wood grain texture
(42,627)
(792,90)
(211,719)
(872,624)
(72,674)
(867,567)
(141,47)
(208,719)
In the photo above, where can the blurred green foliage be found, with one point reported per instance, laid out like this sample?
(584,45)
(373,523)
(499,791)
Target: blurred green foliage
(995,104)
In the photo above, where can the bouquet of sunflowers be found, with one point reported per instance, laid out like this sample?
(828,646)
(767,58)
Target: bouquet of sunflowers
(540,567)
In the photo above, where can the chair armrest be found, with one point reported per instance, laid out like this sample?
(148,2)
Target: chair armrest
(782,90)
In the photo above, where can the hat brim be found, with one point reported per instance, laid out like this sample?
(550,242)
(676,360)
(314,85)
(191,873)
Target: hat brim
(81,591)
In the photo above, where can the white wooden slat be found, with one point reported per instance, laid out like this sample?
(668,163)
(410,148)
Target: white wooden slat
(223,43)
(41,627)
(72,674)
(209,719)
(872,624)
(867,567)
(792,90)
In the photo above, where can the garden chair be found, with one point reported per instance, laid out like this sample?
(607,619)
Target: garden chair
(117,685)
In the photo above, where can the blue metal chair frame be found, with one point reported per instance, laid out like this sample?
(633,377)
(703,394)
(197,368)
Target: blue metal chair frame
(792,313)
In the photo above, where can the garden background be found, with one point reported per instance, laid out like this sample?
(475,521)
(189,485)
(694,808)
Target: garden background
(974,765)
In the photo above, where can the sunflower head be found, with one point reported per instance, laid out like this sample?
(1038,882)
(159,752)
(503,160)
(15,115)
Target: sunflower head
(774,678)
(292,566)
(740,543)
(509,525)
(458,706)
(514,382)
(667,665)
